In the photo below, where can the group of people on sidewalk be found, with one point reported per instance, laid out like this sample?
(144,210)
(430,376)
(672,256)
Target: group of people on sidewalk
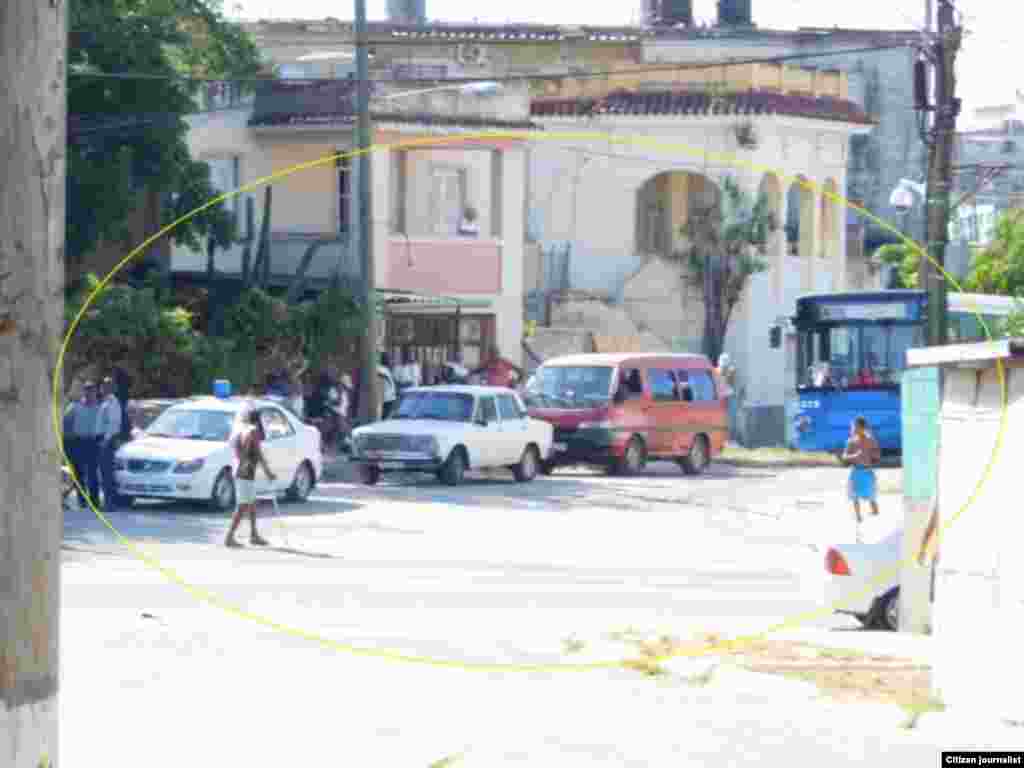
(331,401)
(94,427)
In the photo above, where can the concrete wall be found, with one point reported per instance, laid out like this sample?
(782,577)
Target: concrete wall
(979,591)
(660,300)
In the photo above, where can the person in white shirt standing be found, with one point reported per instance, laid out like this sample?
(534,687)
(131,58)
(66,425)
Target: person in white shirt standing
(389,394)
(110,423)
(408,374)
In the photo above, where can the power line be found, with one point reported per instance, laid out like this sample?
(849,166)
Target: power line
(679,67)
(624,40)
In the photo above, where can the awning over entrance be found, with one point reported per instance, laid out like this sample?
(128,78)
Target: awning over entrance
(392,300)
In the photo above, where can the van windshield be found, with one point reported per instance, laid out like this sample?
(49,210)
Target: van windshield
(583,386)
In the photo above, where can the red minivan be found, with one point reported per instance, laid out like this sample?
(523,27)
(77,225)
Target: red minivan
(621,410)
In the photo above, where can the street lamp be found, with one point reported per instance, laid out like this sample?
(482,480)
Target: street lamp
(902,197)
(480,88)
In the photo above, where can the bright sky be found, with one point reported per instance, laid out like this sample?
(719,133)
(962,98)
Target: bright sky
(988,68)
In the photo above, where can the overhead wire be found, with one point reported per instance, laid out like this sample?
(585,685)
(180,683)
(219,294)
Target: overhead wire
(603,73)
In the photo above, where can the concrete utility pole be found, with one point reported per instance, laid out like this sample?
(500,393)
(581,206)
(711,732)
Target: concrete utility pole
(368,390)
(33,137)
(940,170)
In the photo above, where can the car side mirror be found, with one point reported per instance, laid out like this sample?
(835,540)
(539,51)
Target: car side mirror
(775,337)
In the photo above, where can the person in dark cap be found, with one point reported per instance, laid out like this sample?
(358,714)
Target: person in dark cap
(111,423)
(82,435)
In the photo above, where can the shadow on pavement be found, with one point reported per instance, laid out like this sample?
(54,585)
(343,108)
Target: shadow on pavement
(176,523)
(301,553)
(569,488)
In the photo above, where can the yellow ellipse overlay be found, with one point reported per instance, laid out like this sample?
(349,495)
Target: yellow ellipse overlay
(391,655)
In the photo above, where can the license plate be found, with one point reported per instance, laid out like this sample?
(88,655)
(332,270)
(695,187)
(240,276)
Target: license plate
(391,465)
(561,447)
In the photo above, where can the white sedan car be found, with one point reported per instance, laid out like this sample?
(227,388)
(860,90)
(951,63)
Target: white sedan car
(446,430)
(186,453)
(864,580)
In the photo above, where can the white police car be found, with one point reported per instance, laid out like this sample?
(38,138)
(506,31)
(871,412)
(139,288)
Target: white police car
(187,454)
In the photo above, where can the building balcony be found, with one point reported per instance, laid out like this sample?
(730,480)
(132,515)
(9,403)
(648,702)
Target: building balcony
(443,265)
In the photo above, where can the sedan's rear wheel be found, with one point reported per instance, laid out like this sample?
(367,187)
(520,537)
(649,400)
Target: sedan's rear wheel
(454,470)
(371,474)
(887,612)
(528,466)
(303,483)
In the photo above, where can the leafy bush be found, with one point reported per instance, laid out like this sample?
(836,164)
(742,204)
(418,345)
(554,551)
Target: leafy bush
(136,328)
(146,332)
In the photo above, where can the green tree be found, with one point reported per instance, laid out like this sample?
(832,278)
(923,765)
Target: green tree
(138,328)
(907,262)
(728,233)
(126,132)
(1013,325)
(999,268)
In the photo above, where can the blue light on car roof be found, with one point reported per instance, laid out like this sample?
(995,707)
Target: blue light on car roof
(222,388)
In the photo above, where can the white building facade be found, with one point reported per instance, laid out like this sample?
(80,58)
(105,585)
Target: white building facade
(615,177)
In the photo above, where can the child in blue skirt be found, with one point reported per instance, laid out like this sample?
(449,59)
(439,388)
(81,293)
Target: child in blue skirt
(863,451)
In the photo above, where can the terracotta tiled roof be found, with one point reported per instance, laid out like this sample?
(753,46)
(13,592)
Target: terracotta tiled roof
(332,102)
(683,102)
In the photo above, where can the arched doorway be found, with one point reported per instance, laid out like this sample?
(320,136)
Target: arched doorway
(800,228)
(664,204)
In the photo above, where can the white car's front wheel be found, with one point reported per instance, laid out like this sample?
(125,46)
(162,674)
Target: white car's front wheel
(222,498)
(526,469)
(454,470)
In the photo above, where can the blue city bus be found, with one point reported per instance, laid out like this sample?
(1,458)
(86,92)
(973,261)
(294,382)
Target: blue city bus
(851,352)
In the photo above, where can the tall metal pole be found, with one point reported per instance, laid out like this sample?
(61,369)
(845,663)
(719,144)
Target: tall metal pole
(940,172)
(368,389)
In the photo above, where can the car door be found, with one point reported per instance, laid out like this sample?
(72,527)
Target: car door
(709,412)
(488,438)
(514,428)
(280,447)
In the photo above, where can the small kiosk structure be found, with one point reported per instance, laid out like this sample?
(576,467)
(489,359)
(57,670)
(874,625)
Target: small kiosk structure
(978,601)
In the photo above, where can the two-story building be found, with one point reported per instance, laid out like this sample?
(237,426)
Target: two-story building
(446,204)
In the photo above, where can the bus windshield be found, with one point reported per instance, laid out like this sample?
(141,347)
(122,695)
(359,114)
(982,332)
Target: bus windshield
(856,355)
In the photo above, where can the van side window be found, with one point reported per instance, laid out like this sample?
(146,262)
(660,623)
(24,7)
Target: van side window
(683,386)
(631,383)
(703,386)
(663,385)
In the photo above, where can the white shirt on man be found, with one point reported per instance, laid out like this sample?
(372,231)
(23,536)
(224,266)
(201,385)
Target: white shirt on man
(110,417)
(409,375)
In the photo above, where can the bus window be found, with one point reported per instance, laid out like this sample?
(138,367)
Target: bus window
(844,353)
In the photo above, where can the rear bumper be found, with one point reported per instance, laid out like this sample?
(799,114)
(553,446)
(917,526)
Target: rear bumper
(852,597)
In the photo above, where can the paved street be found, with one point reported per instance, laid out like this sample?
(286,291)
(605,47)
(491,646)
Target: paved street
(492,572)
